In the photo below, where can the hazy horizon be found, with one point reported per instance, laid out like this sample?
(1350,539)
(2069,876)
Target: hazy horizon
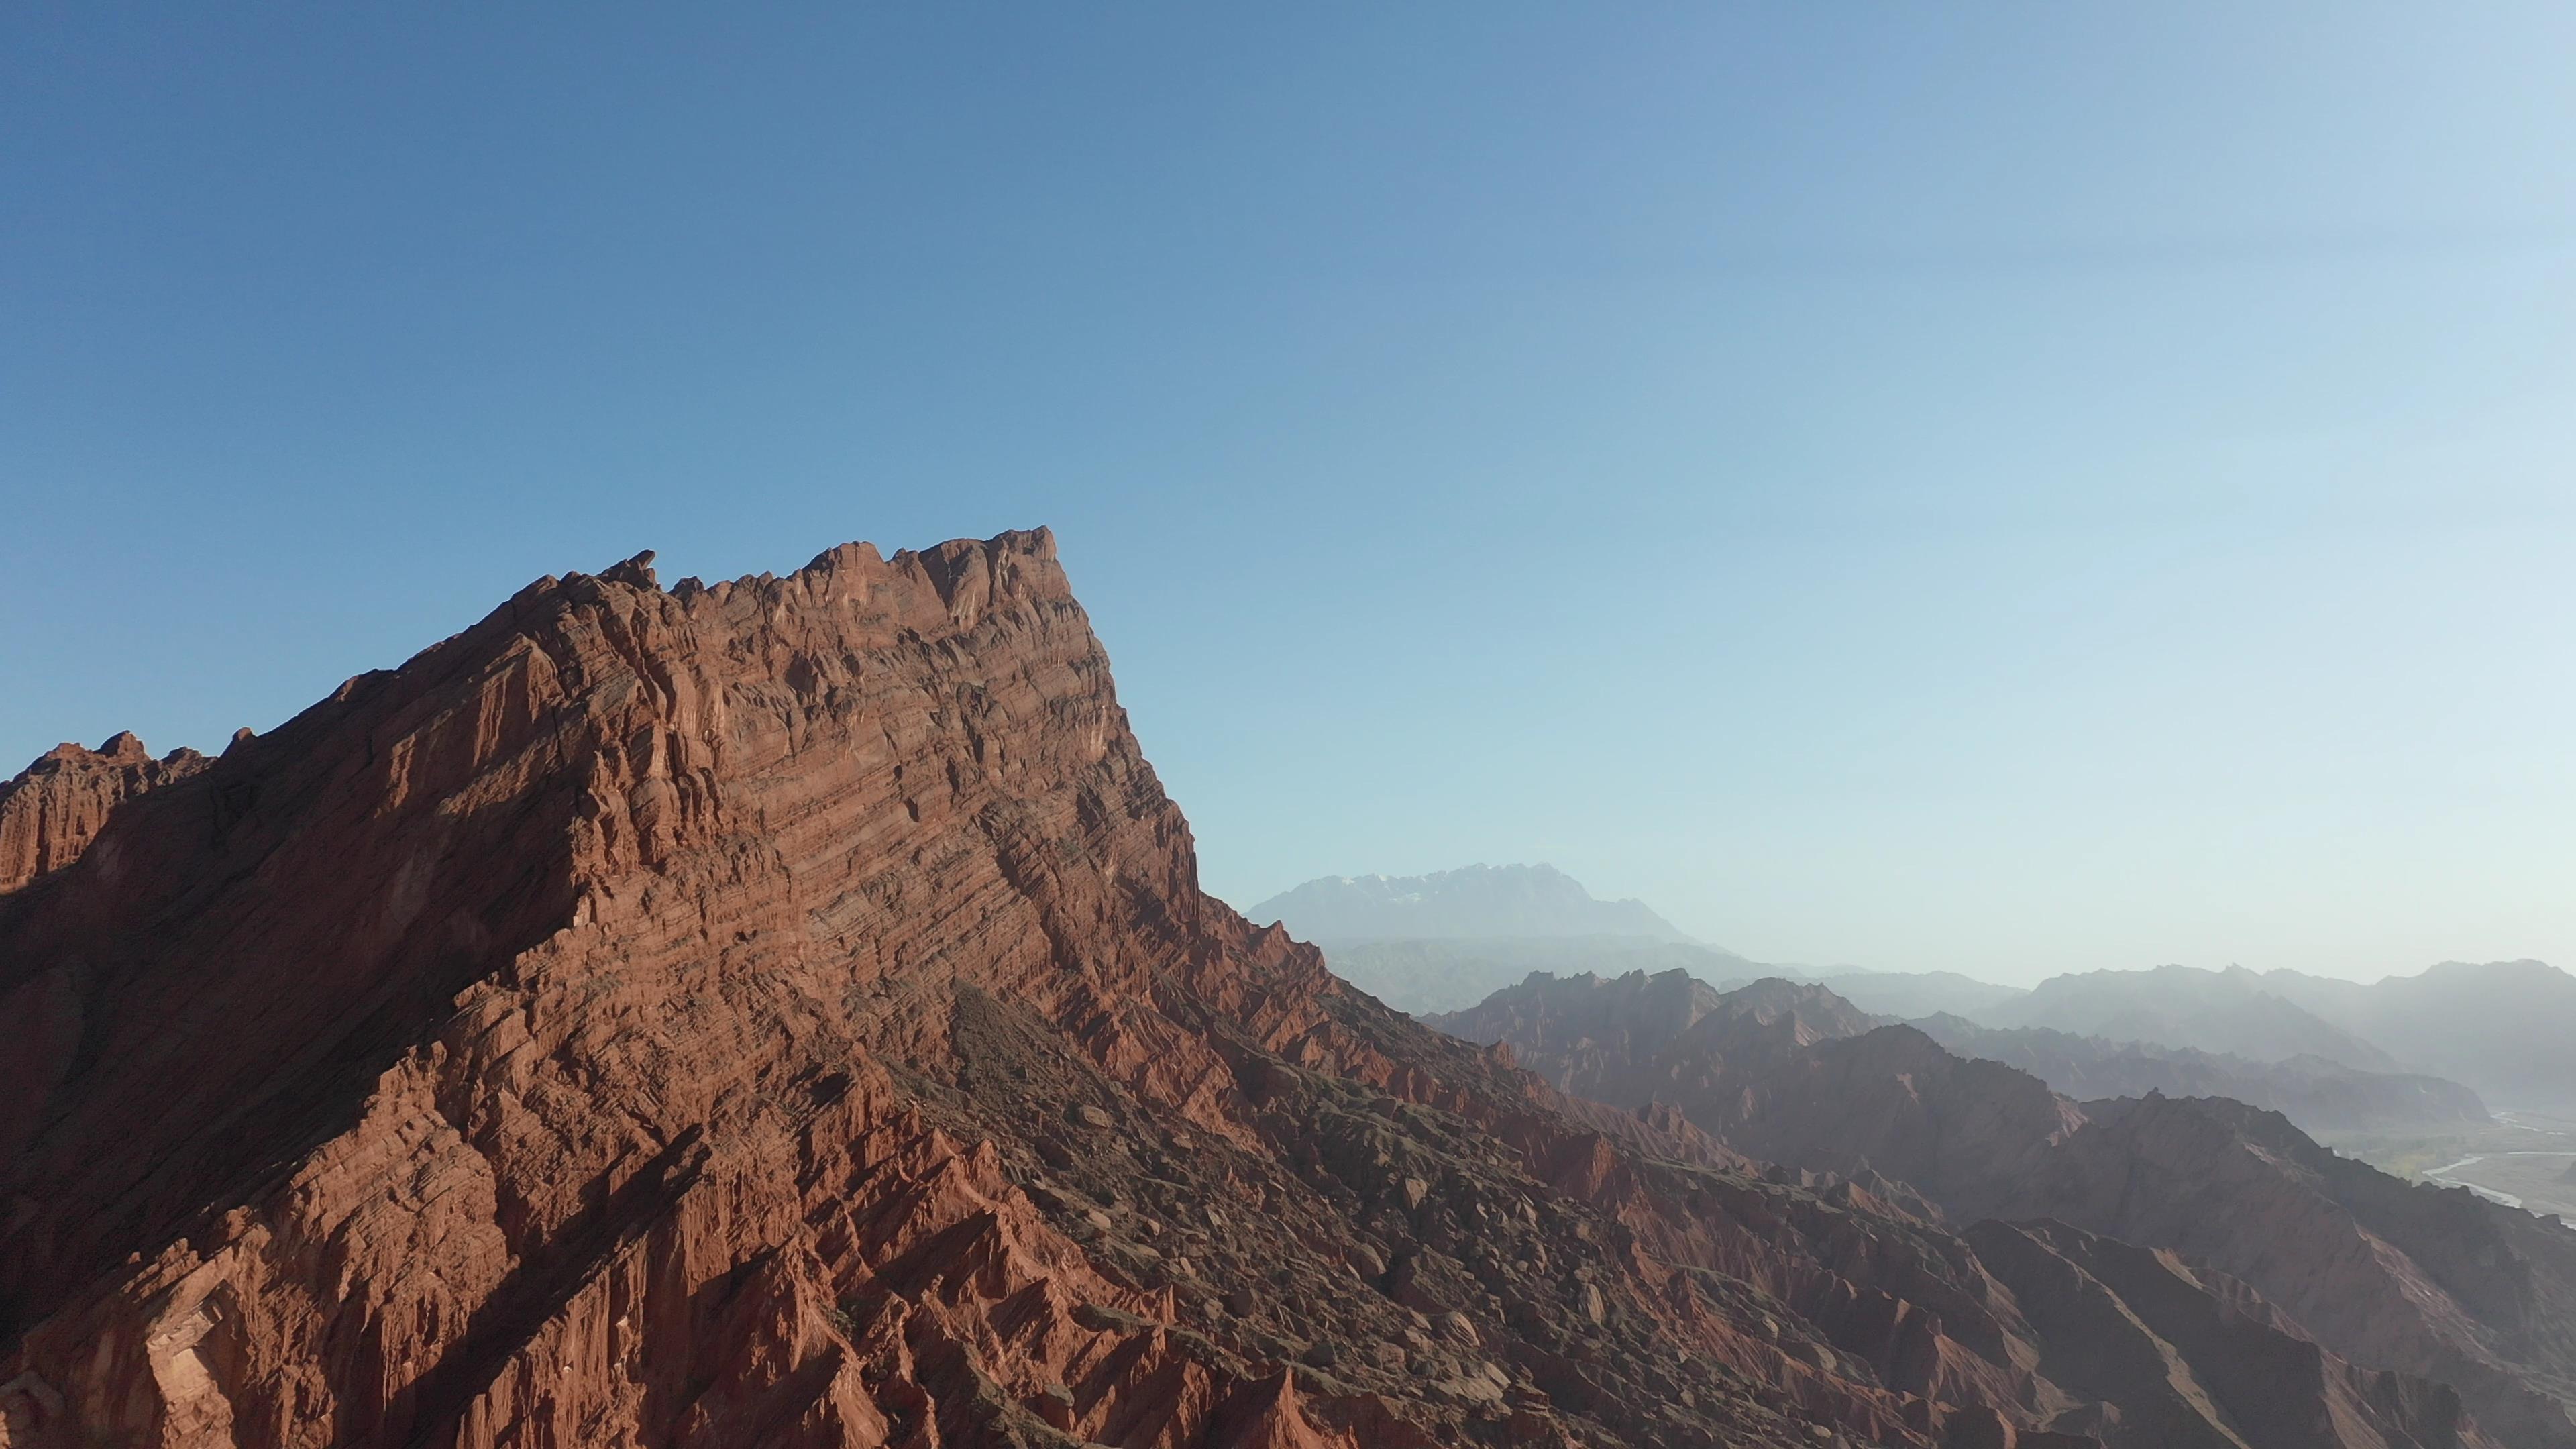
(2007,491)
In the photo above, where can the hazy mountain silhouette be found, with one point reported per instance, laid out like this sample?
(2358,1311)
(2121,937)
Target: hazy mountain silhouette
(2503,1027)
(1906,994)
(2318,1095)
(1477,902)
(2233,1218)
(2229,1012)
(1431,976)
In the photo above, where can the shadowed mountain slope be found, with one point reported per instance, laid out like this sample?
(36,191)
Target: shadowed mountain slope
(56,806)
(2391,1276)
(784,1013)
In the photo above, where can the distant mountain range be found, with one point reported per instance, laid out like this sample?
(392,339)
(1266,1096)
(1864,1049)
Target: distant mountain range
(2228,1012)
(1478,902)
(2317,1094)
(1443,941)
(1900,994)
(1421,977)
(2502,1028)
(2349,1056)
(2230,1281)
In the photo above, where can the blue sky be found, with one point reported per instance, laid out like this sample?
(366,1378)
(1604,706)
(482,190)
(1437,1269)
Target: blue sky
(2001,488)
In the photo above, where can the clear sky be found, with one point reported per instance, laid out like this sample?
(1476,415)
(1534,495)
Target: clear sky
(2009,488)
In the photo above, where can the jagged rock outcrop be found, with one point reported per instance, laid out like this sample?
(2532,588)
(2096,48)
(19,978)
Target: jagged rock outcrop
(55,807)
(784,1012)
(2436,1287)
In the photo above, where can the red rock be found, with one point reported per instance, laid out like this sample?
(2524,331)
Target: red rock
(772,1013)
(55,807)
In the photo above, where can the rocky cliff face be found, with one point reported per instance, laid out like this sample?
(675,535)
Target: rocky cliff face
(784,1012)
(2389,1287)
(56,806)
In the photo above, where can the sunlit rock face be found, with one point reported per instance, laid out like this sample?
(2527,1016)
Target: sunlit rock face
(784,1012)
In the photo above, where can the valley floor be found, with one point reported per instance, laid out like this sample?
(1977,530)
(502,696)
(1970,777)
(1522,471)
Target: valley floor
(2522,1160)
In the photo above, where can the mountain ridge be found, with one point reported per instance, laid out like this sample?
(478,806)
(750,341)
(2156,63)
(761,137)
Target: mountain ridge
(2392,1276)
(1471,903)
(785,1011)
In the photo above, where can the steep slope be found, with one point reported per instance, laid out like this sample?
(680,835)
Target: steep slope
(2198,1358)
(2318,1095)
(2228,1013)
(1784,1072)
(2432,1280)
(55,807)
(2390,1276)
(2502,1026)
(785,1013)
(1477,902)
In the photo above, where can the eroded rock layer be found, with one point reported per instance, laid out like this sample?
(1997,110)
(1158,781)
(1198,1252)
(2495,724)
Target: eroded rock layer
(56,806)
(784,1012)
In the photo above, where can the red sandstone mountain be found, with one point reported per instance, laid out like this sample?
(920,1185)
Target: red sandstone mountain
(50,813)
(785,1013)
(2412,1279)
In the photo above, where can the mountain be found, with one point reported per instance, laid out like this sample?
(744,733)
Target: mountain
(51,811)
(2228,1013)
(1478,902)
(1634,1039)
(1768,1069)
(2502,1027)
(1432,976)
(2256,1224)
(785,1013)
(2318,1095)
(1909,994)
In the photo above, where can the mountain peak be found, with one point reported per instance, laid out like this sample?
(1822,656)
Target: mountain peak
(1470,903)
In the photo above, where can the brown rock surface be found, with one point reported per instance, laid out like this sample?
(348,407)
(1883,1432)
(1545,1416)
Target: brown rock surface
(57,806)
(784,1012)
